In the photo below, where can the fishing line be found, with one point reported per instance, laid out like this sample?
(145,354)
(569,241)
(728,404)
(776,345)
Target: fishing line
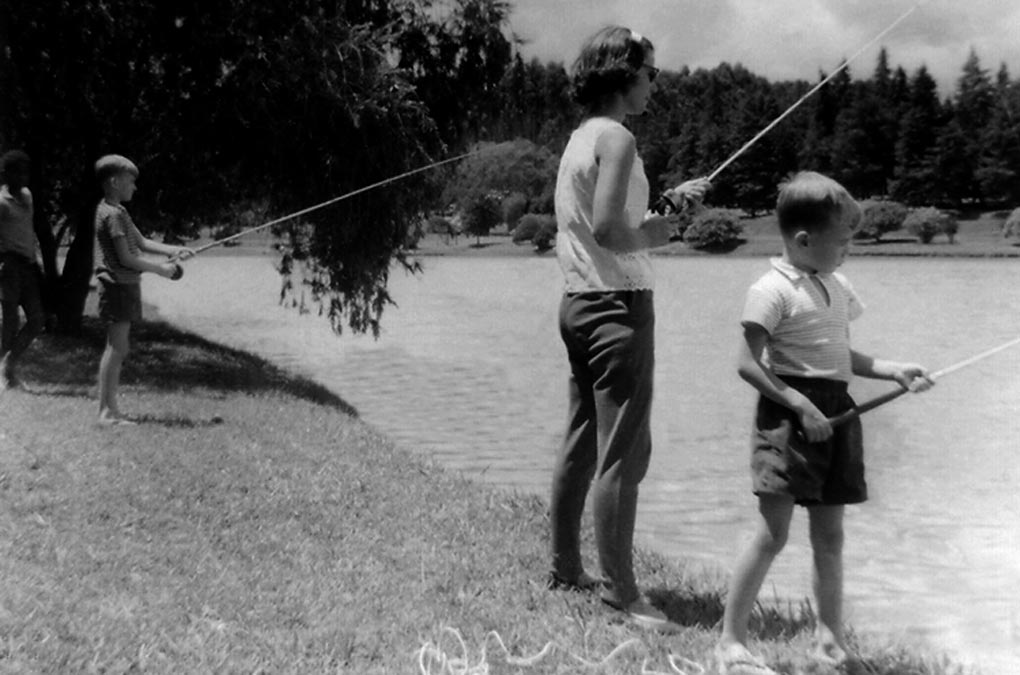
(814,89)
(710,177)
(433,659)
(334,200)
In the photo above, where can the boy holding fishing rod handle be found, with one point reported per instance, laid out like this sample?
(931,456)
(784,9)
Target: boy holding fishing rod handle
(796,352)
(119,274)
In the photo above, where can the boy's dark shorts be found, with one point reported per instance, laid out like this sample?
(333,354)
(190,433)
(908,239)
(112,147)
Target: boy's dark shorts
(20,280)
(784,463)
(119,302)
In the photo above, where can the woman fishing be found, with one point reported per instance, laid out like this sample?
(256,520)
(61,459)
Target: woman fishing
(607,318)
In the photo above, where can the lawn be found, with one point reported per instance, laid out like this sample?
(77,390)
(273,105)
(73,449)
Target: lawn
(250,523)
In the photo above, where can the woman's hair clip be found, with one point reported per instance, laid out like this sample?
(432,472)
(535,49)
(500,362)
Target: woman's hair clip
(636,36)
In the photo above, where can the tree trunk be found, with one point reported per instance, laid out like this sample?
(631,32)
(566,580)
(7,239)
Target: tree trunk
(77,272)
(48,248)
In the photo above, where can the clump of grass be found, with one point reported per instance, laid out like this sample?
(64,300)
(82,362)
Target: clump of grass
(251,524)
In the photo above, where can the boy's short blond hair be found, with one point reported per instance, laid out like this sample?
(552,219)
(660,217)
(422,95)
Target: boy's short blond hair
(810,202)
(108,166)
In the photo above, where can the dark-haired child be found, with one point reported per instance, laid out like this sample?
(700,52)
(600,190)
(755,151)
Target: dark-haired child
(20,272)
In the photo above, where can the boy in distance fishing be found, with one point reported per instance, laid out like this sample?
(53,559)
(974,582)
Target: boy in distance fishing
(119,274)
(20,271)
(796,352)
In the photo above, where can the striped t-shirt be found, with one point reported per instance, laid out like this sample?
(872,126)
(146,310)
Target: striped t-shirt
(113,221)
(808,320)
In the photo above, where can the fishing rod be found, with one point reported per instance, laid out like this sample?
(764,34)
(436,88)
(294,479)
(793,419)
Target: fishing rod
(665,204)
(814,89)
(334,200)
(871,404)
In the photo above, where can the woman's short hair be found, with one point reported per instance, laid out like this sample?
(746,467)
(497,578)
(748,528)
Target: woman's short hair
(608,64)
(810,201)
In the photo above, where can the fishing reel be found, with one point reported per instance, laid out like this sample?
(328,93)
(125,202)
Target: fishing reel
(670,204)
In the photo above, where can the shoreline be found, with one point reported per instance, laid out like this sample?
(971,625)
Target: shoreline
(977,238)
(510,250)
(284,497)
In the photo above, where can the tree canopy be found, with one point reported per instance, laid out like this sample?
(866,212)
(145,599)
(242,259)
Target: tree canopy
(222,102)
(269,106)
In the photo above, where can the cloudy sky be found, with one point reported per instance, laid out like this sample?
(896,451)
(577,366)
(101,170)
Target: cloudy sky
(783,39)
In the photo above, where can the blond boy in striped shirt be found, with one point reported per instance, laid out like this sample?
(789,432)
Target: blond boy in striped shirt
(796,352)
(119,272)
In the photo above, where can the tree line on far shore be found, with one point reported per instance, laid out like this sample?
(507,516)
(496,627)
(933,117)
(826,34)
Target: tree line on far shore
(238,111)
(889,137)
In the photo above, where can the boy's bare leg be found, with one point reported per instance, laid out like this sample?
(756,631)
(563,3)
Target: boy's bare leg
(109,370)
(751,568)
(827,547)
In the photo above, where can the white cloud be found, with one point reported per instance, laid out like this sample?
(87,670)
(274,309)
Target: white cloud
(783,39)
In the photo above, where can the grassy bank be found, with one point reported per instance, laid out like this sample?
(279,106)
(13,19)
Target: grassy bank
(251,523)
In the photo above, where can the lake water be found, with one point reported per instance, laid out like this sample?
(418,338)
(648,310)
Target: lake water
(470,370)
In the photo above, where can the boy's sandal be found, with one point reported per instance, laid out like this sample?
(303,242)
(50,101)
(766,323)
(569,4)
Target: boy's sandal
(737,660)
(583,582)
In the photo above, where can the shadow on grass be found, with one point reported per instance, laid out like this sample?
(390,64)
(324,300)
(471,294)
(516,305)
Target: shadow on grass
(705,610)
(177,421)
(165,358)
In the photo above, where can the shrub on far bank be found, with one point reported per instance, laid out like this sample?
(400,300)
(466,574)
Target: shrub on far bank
(439,225)
(480,213)
(527,227)
(1011,228)
(545,238)
(880,217)
(443,227)
(514,208)
(715,230)
(538,228)
(927,222)
(950,226)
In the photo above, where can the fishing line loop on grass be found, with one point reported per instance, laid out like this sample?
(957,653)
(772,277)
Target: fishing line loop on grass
(433,654)
(433,659)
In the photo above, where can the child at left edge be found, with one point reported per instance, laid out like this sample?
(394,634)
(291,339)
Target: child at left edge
(796,352)
(20,272)
(119,274)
